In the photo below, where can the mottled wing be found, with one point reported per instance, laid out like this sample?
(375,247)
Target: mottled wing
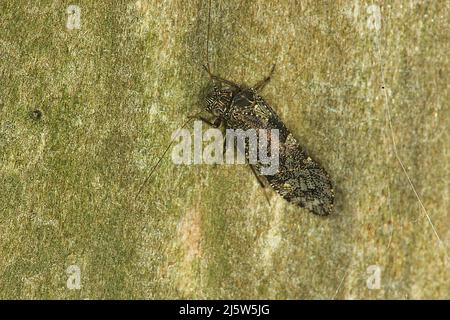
(250,111)
(300,180)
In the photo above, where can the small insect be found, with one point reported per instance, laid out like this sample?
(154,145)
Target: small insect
(300,180)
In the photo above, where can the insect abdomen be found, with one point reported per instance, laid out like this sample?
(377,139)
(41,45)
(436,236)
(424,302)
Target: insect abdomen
(301,180)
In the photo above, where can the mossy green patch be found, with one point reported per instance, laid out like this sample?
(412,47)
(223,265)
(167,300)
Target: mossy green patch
(113,91)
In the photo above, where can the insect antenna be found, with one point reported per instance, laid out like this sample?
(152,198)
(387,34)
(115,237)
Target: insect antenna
(163,154)
(208,69)
(208,66)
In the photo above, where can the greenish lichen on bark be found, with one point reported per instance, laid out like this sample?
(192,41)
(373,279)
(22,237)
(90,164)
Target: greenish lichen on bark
(112,92)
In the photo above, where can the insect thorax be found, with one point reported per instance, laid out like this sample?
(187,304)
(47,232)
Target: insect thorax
(218,100)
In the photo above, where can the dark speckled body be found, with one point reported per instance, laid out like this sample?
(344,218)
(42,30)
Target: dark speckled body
(300,179)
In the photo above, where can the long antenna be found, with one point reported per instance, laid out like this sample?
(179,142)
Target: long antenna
(190,118)
(207,37)
(162,156)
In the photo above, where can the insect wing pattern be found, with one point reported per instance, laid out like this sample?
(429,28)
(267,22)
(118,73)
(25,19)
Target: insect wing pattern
(300,179)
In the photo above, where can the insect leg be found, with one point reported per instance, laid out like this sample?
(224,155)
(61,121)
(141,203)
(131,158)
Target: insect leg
(261,84)
(262,181)
(216,123)
(224,147)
